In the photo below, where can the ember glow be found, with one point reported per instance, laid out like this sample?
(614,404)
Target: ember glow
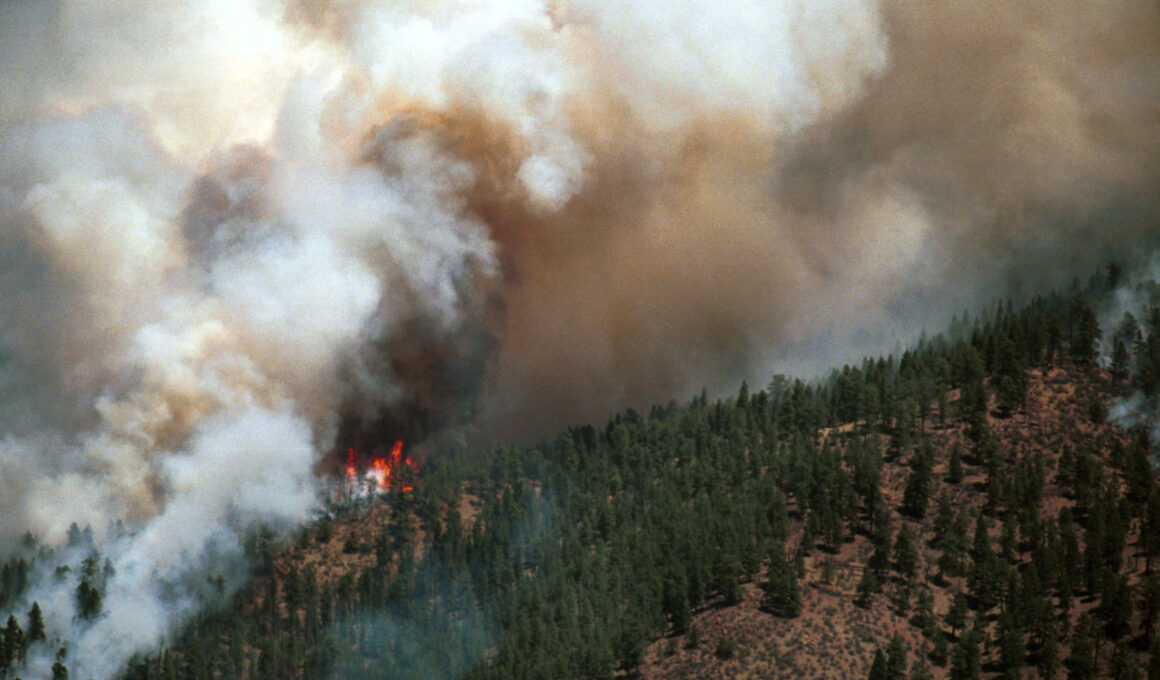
(351,465)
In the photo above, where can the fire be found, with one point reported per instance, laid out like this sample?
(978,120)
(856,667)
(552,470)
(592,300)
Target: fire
(394,471)
(351,464)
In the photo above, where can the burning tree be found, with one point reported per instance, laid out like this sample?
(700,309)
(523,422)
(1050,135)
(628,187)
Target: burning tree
(395,471)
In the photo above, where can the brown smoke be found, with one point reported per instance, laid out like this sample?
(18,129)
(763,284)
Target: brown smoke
(1004,148)
(237,235)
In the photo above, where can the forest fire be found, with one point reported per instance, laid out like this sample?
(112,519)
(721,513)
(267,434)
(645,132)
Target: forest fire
(393,471)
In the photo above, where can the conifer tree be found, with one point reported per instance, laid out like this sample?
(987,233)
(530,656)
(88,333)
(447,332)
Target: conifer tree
(916,495)
(868,585)
(955,465)
(1081,663)
(895,659)
(940,650)
(924,612)
(984,580)
(956,616)
(966,658)
(1011,647)
(1048,664)
(879,561)
(952,547)
(1085,329)
(1121,361)
(35,623)
(878,670)
(1123,665)
(1010,379)
(782,593)
(905,555)
(1115,608)
(799,556)
(15,642)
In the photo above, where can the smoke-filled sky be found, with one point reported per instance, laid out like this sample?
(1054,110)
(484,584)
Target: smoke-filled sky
(234,231)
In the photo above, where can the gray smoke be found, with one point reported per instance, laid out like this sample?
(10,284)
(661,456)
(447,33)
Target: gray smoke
(237,232)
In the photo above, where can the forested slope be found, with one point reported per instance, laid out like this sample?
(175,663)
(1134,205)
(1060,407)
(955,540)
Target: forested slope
(961,510)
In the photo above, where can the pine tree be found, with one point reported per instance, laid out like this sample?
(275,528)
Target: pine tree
(1048,664)
(1033,610)
(924,612)
(1115,608)
(5,653)
(676,601)
(955,465)
(905,555)
(782,593)
(868,585)
(88,600)
(966,659)
(940,650)
(35,623)
(1086,332)
(916,495)
(1121,361)
(74,535)
(1081,663)
(878,670)
(1148,364)
(895,659)
(693,637)
(983,580)
(1011,647)
(879,561)
(1008,541)
(944,518)
(1123,664)
(1010,379)
(953,546)
(956,616)
(15,642)
(799,556)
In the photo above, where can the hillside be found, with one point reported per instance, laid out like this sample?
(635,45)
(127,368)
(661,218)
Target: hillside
(836,636)
(962,510)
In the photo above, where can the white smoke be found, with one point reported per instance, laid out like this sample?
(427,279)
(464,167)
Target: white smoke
(227,224)
(194,247)
(1126,317)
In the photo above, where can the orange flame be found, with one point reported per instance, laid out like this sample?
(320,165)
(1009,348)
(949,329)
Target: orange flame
(391,468)
(393,471)
(351,464)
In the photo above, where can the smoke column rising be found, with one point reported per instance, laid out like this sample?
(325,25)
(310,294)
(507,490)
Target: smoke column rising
(235,231)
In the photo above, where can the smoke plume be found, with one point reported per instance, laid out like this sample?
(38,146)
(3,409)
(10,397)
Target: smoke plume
(236,232)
